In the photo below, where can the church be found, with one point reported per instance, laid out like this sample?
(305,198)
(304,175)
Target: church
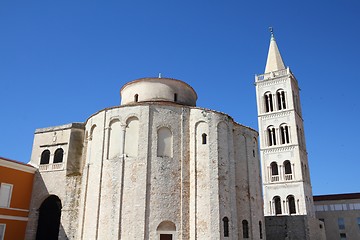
(159,167)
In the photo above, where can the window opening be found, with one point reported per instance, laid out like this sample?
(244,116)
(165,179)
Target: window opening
(291,202)
(277,202)
(59,154)
(260,230)
(226,226)
(271,136)
(166,237)
(5,194)
(287,166)
(268,102)
(2,231)
(175,97)
(281,99)
(136,98)
(204,136)
(284,131)
(342,236)
(341,223)
(245,226)
(45,157)
(274,169)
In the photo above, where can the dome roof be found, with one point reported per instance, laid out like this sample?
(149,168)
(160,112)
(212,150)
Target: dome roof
(158,90)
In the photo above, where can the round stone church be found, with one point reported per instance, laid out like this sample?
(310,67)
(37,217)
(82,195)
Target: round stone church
(154,167)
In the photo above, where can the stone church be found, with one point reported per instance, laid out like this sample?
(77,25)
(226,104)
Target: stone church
(154,167)
(159,167)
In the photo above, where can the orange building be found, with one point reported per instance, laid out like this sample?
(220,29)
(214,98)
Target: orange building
(16,181)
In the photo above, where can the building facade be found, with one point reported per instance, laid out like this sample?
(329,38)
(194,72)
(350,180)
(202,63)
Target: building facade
(16,180)
(286,182)
(155,167)
(340,213)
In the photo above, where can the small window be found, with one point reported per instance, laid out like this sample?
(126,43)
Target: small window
(58,157)
(253,153)
(287,166)
(342,236)
(5,194)
(277,203)
(245,226)
(274,169)
(2,231)
(175,97)
(45,157)
(281,101)
(291,202)
(204,136)
(226,226)
(166,237)
(284,134)
(136,98)
(268,102)
(260,230)
(341,223)
(271,136)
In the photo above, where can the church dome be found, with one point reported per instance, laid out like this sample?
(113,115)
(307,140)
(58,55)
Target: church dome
(158,90)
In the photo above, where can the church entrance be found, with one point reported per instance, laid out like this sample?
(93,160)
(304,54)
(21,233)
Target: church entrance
(166,237)
(49,219)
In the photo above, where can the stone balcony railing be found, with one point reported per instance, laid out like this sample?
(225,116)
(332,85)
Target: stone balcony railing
(274,74)
(51,167)
(288,177)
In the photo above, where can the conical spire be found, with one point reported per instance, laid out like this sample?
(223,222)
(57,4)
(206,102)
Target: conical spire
(274,60)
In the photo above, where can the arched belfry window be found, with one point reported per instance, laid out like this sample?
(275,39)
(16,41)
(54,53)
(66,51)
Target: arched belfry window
(274,169)
(245,226)
(291,203)
(281,101)
(45,157)
(271,136)
(58,156)
(287,166)
(164,142)
(277,204)
(269,107)
(226,226)
(204,138)
(284,134)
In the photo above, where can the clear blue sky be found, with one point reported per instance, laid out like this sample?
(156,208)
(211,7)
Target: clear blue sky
(61,61)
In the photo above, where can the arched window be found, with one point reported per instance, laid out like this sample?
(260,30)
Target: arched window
(131,137)
(268,102)
(136,97)
(260,230)
(204,136)
(287,166)
(226,226)
(281,101)
(284,134)
(271,135)
(291,203)
(58,157)
(164,142)
(166,230)
(277,203)
(245,226)
(45,157)
(274,172)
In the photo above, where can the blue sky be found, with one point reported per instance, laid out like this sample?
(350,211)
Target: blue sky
(61,61)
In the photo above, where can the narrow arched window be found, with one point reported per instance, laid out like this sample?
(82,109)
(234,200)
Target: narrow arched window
(268,102)
(175,97)
(271,136)
(45,157)
(274,169)
(245,226)
(277,203)
(291,203)
(204,136)
(287,166)
(226,226)
(58,156)
(136,98)
(260,230)
(284,134)
(281,101)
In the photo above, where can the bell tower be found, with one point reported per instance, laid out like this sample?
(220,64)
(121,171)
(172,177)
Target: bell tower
(285,169)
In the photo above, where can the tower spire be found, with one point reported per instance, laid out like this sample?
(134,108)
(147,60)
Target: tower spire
(274,60)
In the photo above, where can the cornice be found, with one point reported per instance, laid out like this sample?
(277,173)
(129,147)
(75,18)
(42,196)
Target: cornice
(279,149)
(271,81)
(276,114)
